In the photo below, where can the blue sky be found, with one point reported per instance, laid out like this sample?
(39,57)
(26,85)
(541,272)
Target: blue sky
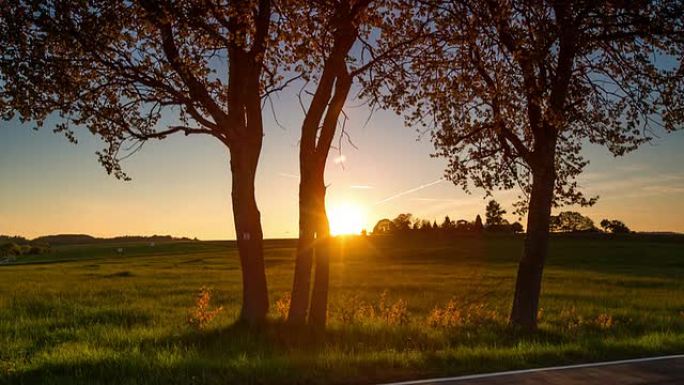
(181,186)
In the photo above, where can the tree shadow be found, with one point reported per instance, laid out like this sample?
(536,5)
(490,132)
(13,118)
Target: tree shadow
(277,353)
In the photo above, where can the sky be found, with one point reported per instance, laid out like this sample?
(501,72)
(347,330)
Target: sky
(181,185)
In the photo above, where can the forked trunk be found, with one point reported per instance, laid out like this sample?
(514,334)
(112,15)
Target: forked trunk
(313,234)
(319,298)
(301,286)
(531,267)
(249,235)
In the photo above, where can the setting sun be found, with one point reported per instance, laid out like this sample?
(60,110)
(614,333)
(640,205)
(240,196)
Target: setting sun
(346,218)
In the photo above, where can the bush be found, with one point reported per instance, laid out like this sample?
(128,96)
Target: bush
(201,314)
(615,226)
(13,249)
(456,315)
(10,249)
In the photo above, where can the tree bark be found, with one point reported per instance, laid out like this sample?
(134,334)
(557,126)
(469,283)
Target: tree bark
(530,269)
(319,297)
(249,235)
(301,286)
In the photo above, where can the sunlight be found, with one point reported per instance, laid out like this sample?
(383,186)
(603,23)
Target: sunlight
(346,218)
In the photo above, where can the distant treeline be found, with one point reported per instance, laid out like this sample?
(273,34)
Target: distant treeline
(564,222)
(494,222)
(74,239)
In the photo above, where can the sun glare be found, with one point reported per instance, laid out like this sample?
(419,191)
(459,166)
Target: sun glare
(346,218)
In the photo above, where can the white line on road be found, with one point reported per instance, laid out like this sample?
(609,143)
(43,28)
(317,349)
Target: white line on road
(523,371)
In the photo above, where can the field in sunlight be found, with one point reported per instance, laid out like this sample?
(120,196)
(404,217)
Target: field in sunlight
(84,314)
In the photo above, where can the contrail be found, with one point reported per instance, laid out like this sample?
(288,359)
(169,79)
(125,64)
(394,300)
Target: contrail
(397,195)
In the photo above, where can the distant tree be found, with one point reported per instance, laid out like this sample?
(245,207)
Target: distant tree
(477,226)
(517,227)
(494,213)
(463,225)
(13,239)
(402,222)
(384,226)
(434,224)
(571,221)
(615,226)
(515,89)
(447,224)
(425,225)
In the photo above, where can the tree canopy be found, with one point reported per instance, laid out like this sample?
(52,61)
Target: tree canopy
(491,79)
(126,69)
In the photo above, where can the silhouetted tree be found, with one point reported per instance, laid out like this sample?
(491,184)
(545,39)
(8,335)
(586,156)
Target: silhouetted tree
(517,227)
(514,89)
(123,69)
(447,224)
(402,223)
(325,33)
(384,226)
(615,226)
(463,225)
(571,221)
(477,226)
(494,213)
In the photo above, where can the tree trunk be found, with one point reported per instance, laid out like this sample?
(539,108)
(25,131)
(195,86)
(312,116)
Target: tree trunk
(528,282)
(319,298)
(301,286)
(312,246)
(249,235)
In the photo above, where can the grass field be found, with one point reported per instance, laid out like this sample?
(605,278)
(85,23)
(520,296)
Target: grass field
(84,314)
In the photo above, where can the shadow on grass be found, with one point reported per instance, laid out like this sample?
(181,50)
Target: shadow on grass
(278,353)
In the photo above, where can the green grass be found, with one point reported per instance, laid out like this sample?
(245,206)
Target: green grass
(86,315)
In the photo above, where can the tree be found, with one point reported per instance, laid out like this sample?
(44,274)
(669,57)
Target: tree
(326,33)
(494,213)
(571,221)
(124,69)
(384,226)
(514,89)
(517,227)
(402,222)
(447,224)
(463,225)
(615,226)
(477,226)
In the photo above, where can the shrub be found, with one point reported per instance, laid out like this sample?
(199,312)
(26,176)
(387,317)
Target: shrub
(201,314)
(604,321)
(455,315)
(570,319)
(353,309)
(10,249)
(282,306)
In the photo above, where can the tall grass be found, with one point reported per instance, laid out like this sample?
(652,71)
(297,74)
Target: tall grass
(399,310)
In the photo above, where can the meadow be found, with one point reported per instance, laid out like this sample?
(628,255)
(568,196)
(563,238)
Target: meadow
(400,309)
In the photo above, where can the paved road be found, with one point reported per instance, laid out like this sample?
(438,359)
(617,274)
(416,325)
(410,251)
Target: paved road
(658,371)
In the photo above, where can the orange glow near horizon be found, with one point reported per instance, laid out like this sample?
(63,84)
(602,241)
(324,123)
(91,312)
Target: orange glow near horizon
(346,218)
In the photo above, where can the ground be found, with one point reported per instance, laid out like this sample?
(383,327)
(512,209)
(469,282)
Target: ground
(86,314)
